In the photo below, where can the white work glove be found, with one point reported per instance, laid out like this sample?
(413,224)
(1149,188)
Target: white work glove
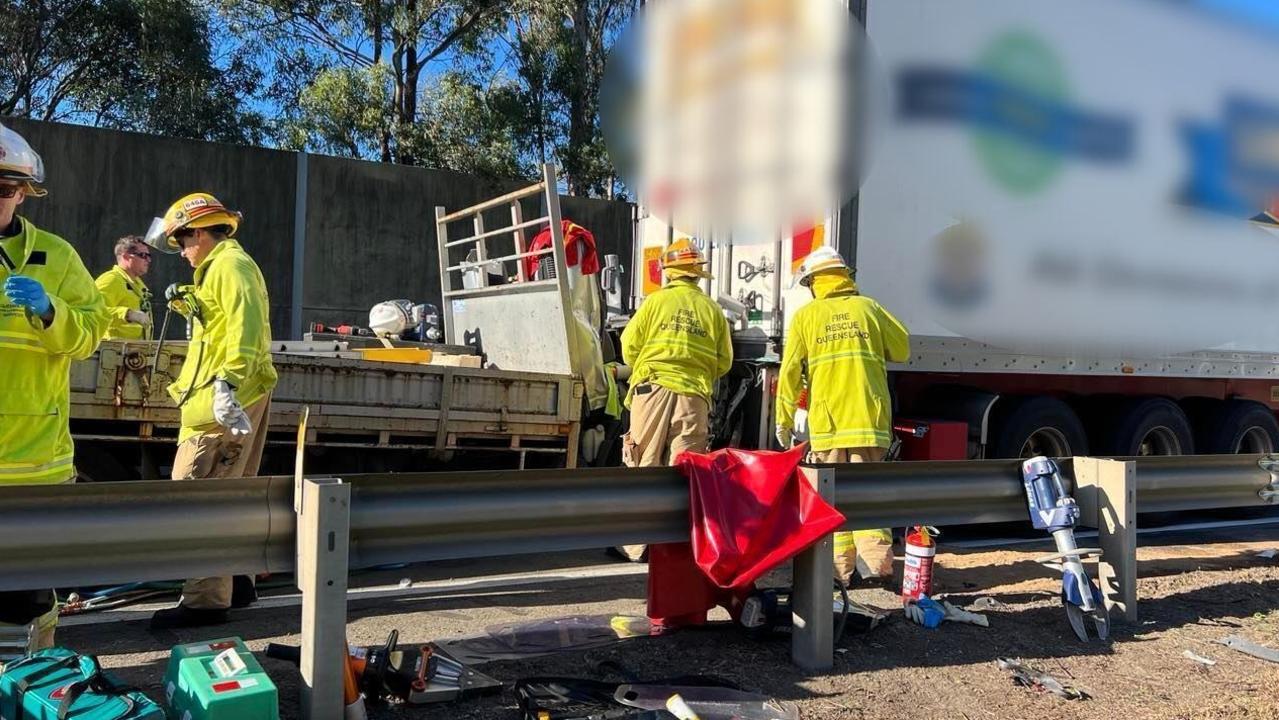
(227,410)
(137,317)
(784,437)
(957,614)
(801,424)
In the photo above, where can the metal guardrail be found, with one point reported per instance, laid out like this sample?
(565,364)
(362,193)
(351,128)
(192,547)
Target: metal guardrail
(69,535)
(122,532)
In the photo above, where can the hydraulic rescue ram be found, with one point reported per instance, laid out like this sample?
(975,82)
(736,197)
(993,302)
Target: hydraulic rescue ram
(1054,510)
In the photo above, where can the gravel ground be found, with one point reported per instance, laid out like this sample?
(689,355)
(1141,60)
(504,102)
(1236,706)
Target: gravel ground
(1194,590)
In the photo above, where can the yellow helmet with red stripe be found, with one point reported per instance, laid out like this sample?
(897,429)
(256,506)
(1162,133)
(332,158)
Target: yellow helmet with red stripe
(197,210)
(682,257)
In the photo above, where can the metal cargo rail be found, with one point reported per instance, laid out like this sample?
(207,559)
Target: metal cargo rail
(319,528)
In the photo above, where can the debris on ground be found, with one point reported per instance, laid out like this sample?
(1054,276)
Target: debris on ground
(1031,677)
(1269,554)
(702,698)
(988,603)
(543,637)
(1192,655)
(1247,647)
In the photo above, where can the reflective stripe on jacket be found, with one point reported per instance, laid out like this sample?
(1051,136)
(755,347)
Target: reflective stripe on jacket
(231,339)
(845,341)
(35,361)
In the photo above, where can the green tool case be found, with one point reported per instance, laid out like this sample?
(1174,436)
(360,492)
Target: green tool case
(58,684)
(218,680)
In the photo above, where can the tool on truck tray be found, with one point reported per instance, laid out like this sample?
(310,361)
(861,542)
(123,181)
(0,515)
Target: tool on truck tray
(1054,510)
(343,329)
(417,677)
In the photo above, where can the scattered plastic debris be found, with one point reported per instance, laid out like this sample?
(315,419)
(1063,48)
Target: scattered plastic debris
(543,637)
(1268,554)
(988,603)
(1192,655)
(405,583)
(1247,647)
(1027,676)
(689,698)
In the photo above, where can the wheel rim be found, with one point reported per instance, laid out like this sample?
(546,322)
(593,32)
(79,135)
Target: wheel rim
(1254,441)
(1159,441)
(1046,441)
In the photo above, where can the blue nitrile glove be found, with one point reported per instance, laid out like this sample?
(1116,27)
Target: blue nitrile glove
(28,293)
(925,611)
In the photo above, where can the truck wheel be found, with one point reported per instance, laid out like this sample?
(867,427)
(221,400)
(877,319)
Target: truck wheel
(1033,426)
(1154,426)
(1241,427)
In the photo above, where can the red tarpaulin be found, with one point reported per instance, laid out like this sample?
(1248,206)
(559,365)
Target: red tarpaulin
(750,512)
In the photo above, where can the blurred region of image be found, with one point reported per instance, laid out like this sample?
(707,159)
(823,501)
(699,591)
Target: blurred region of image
(1028,174)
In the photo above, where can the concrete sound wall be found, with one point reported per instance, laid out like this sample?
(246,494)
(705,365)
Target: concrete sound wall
(333,236)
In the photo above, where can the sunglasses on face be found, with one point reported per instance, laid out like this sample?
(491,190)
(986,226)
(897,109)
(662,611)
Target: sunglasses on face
(8,191)
(182,236)
(142,255)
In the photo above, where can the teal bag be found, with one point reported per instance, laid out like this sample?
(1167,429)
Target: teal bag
(58,684)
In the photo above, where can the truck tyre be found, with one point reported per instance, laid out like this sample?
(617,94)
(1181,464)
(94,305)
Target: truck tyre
(1241,427)
(1153,426)
(1024,427)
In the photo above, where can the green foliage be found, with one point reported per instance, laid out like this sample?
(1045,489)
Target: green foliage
(145,65)
(490,87)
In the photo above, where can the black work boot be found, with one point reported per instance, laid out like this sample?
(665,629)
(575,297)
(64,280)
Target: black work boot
(243,591)
(184,617)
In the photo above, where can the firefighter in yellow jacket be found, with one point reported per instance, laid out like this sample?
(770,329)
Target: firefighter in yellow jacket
(843,341)
(224,387)
(677,346)
(50,315)
(127,297)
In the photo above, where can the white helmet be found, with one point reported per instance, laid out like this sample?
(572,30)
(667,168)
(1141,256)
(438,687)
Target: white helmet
(823,258)
(19,163)
(391,318)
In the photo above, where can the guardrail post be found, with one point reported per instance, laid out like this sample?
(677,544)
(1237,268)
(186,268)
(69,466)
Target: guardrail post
(324,523)
(813,633)
(1107,497)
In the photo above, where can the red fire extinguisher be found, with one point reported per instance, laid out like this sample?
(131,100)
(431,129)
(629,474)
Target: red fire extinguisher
(917,578)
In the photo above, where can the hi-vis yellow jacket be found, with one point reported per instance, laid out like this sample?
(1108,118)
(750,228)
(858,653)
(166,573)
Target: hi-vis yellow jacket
(231,339)
(844,340)
(122,294)
(35,361)
(678,340)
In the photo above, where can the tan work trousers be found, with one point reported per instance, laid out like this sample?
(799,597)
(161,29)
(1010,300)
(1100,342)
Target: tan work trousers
(216,454)
(869,552)
(663,425)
